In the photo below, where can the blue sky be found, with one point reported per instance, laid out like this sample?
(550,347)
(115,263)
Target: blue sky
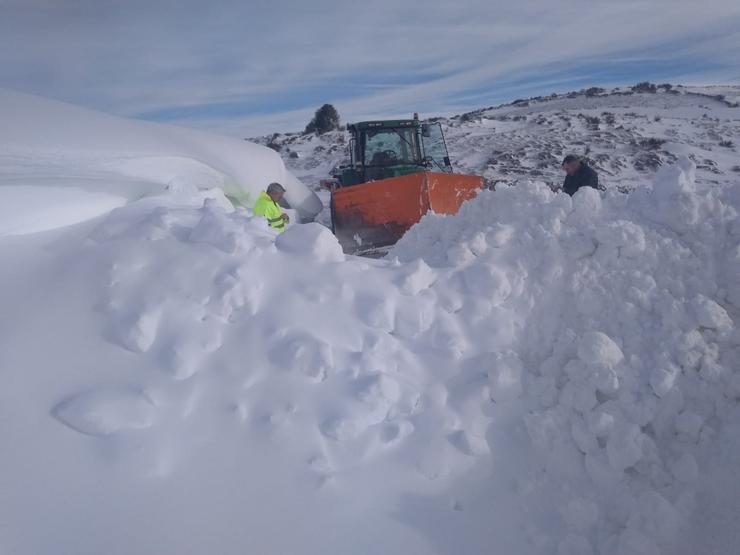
(251,67)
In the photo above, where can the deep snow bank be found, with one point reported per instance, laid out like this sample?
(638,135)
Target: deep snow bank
(51,144)
(191,383)
(537,374)
(624,370)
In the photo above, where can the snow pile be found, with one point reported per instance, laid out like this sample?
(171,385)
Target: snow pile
(208,386)
(624,364)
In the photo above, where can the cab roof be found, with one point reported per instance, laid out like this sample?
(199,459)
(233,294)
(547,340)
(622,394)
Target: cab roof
(383,123)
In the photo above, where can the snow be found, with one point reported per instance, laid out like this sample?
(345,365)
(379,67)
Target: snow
(49,144)
(103,412)
(597,348)
(538,374)
(626,339)
(311,240)
(29,209)
(627,136)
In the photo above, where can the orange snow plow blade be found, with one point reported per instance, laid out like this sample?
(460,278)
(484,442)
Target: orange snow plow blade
(378,213)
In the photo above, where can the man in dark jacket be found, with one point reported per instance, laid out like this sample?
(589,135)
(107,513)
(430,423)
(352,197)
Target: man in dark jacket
(579,175)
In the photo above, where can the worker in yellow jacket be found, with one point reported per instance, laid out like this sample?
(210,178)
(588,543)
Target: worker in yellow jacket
(268,207)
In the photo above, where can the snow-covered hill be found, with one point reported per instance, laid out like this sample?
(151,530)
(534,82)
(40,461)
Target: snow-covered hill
(627,134)
(539,374)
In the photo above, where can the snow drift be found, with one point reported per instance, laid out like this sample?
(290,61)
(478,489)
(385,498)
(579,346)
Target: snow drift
(102,161)
(625,365)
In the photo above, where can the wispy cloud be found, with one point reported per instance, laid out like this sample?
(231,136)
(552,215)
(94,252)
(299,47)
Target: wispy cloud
(251,67)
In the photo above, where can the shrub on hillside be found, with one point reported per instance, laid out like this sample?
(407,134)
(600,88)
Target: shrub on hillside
(326,119)
(645,87)
(609,118)
(594,91)
(651,143)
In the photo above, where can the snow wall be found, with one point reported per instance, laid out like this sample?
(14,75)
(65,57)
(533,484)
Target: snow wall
(607,326)
(97,147)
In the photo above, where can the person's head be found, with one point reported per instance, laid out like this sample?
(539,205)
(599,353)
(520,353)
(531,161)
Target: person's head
(275,191)
(571,164)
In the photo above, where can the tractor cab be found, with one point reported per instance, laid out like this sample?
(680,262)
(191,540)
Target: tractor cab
(382,149)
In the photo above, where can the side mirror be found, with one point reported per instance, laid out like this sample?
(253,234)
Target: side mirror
(426,130)
(446,160)
(330,184)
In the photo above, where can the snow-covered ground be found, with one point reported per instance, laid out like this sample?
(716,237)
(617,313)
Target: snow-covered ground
(535,375)
(627,135)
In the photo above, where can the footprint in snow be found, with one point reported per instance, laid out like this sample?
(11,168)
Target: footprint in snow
(308,355)
(137,332)
(186,352)
(106,411)
(393,433)
(234,294)
(468,444)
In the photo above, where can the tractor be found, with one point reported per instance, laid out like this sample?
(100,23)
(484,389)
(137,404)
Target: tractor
(398,171)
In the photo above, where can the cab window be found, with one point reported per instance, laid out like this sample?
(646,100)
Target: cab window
(389,147)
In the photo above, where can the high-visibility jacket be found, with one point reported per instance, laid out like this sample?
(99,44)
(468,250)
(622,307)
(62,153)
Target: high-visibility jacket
(271,210)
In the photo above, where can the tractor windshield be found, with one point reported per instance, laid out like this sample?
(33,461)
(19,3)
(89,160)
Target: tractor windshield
(391,147)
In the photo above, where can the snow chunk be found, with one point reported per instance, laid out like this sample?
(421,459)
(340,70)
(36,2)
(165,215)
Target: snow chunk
(578,395)
(313,240)
(711,315)
(587,203)
(675,203)
(600,423)
(106,411)
(220,231)
(505,376)
(138,333)
(627,236)
(624,447)
(662,379)
(676,179)
(488,282)
(604,379)
(417,276)
(499,235)
(598,348)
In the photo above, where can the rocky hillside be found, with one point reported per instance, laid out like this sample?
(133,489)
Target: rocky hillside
(627,133)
